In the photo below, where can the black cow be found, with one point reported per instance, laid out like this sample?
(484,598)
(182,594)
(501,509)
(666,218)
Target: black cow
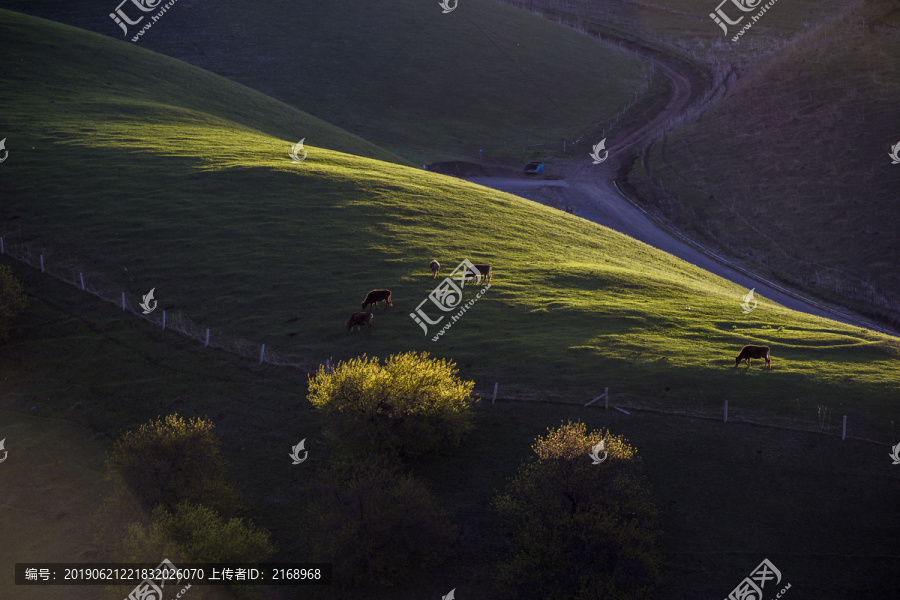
(376,296)
(358,319)
(750,352)
(485,271)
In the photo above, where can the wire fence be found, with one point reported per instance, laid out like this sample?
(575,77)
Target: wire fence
(66,270)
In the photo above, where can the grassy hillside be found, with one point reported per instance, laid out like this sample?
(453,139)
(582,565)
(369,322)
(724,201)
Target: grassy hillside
(138,193)
(729,495)
(72,78)
(792,169)
(426,85)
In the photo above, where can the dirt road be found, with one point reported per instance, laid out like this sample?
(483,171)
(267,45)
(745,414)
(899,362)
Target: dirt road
(590,190)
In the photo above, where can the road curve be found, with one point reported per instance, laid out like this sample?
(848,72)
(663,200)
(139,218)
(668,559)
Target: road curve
(591,191)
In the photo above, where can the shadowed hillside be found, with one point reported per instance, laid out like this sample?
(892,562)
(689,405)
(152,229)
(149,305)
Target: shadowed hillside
(426,85)
(791,170)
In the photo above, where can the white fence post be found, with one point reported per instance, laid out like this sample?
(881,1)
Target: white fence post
(206,345)
(495,391)
(42,263)
(844,429)
(81,275)
(123,300)
(726,412)
(262,353)
(605,394)
(164,318)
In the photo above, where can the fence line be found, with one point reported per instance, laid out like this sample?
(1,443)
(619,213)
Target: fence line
(26,254)
(180,324)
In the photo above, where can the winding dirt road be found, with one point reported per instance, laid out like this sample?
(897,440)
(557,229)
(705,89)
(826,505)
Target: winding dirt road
(591,191)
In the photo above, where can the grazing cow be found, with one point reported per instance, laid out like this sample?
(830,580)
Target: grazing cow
(485,271)
(569,210)
(749,352)
(358,319)
(435,269)
(376,296)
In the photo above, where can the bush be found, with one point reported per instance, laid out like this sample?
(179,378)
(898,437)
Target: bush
(374,523)
(170,460)
(196,533)
(412,405)
(12,300)
(580,531)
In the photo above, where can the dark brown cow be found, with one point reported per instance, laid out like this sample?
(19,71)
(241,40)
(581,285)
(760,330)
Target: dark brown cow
(435,269)
(358,319)
(485,271)
(750,352)
(376,296)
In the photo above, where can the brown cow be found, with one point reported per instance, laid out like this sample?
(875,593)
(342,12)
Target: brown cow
(376,296)
(435,269)
(358,319)
(485,271)
(749,352)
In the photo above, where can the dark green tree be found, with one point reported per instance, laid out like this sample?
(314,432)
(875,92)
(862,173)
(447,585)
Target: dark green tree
(170,460)
(374,523)
(581,531)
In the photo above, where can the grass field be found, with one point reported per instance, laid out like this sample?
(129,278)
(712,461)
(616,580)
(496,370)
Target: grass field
(246,242)
(426,85)
(730,495)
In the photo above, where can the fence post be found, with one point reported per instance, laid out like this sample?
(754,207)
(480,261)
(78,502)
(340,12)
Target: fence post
(206,345)
(844,429)
(606,395)
(1,245)
(42,263)
(726,412)
(123,300)
(327,366)
(495,391)
(262,353)
(164,318)
(81,275)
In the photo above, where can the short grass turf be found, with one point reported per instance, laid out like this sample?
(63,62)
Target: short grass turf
(729,495)
(136,193)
